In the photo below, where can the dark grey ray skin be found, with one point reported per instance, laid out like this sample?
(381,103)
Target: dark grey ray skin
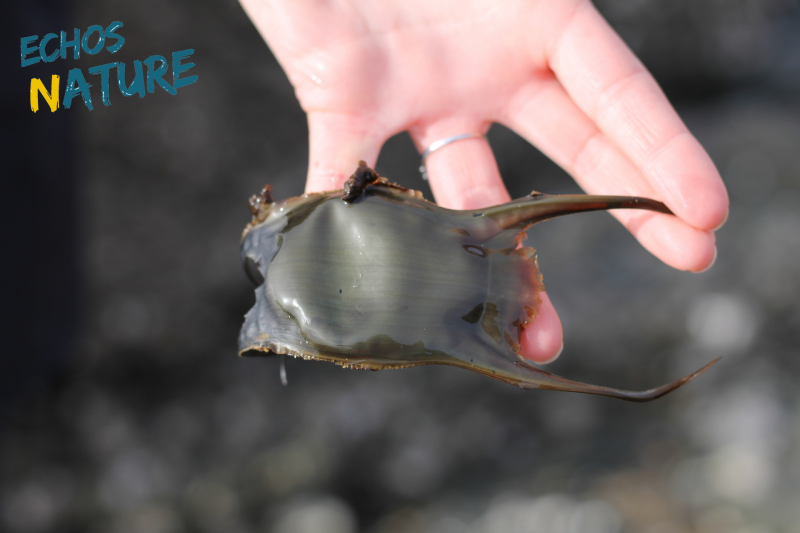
(390,280)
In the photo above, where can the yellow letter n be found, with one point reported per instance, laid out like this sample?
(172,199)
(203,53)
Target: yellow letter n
(51,98)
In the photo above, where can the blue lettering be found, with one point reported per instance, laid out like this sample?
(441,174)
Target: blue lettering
(137,85)
(156,75)
(101,39)
(26,50)
(114,26)
(76,78)
(103,71)
(43,45)
(75,44)
(178,68)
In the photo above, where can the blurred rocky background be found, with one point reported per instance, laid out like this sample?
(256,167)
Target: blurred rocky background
(157,426)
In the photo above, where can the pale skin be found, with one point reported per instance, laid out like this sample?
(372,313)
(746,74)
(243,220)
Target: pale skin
(552,70)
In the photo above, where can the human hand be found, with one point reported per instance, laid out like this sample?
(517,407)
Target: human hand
(553,71)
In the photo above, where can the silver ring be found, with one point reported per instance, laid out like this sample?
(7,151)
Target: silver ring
(441,143)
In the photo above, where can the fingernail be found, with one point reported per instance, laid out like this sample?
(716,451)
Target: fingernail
(712,262)
(554,357)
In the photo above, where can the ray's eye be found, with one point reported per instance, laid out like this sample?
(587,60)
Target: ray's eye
(251,268)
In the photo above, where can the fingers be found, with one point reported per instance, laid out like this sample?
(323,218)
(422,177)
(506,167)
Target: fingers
(462,174)
(609,84)
(337,142)
(543,340)
(546,116)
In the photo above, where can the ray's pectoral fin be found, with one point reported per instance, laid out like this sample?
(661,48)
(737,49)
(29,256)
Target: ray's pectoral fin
(545,380)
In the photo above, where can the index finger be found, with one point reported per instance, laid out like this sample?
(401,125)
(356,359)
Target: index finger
(611,86)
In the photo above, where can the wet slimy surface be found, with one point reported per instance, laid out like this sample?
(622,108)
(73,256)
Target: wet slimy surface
(385,279)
